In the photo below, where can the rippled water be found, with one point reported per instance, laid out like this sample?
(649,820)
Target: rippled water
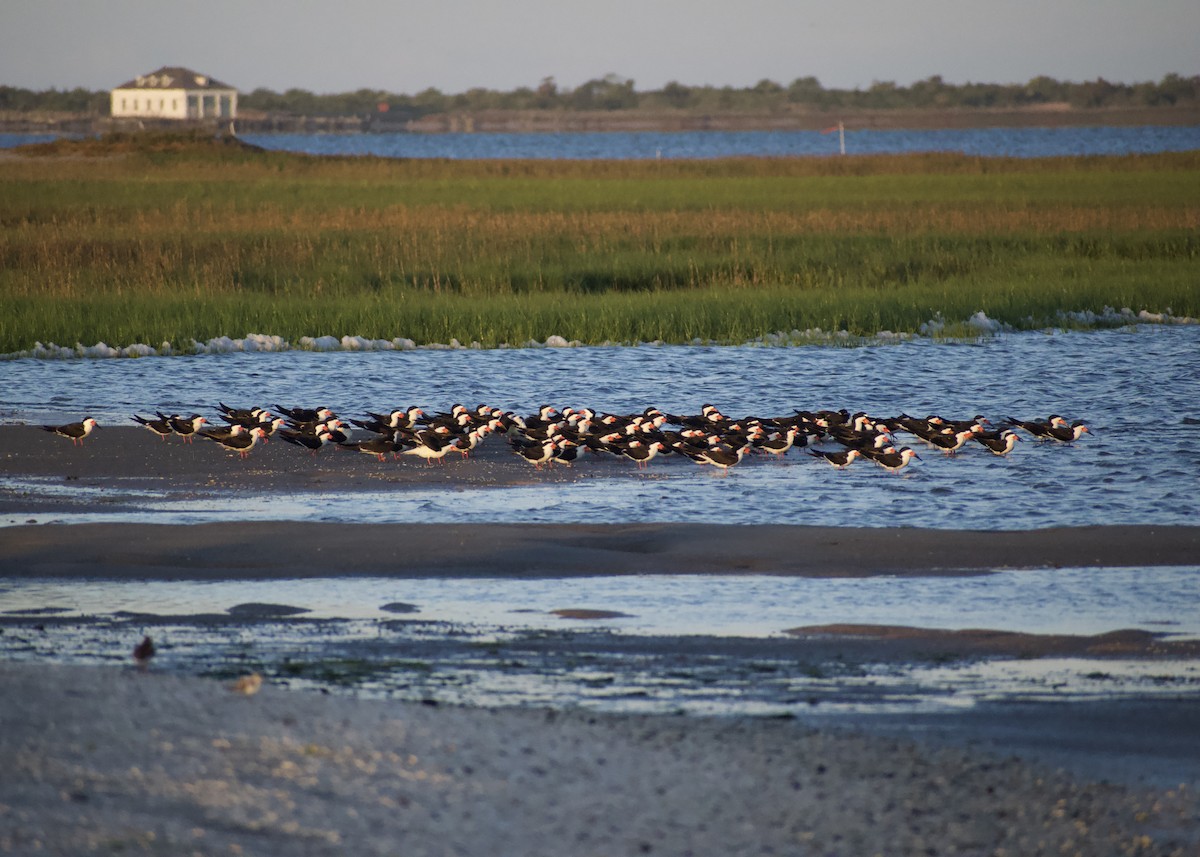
(681,645)
(1066,601)
(990,142)
(1138,388)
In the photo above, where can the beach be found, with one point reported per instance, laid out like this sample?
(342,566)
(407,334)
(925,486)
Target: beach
(111,760)
(107,758)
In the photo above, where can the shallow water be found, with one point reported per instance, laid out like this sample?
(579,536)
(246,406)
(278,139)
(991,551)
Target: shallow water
(497,642)
(1138,388)
(1061,601)
(988,142)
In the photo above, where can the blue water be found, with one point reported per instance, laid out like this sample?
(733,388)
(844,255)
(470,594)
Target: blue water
(988,142)
(1138,388)
(497,641)
(1066,601)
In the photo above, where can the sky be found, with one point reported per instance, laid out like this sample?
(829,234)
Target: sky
(406,46)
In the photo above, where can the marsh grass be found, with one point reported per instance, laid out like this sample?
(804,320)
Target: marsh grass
(191,243)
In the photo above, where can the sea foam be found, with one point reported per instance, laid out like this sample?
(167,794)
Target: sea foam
(979,324)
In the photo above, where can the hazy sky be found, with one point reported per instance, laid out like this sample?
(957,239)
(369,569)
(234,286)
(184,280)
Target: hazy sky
(405,46)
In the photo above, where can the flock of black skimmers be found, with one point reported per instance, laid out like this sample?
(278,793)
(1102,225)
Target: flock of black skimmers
(553,436)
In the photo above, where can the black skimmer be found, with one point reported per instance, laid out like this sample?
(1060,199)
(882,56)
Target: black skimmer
(244,415)
(247,417)
(723,459)
(186,427)
(999,443)
(401,418)
(312,442)
(896,460)
(780,444)
(466,445)
(840,460)
(546,414)
(1037,428)
(376,446)
(242,442)
(642,453)
(430,446)
(161,427)
(566,452)
(949,443)
(860,439)
(75,431)
(306,415)
(219,433)
(1067,433)
(975,423)
(536,454)
(270,426)
(143,652)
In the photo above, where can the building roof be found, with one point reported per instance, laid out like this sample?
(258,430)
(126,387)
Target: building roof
(174,77)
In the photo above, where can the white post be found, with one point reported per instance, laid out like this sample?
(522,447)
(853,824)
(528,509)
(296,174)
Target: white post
(841,136)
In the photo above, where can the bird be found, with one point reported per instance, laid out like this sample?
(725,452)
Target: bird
(242,442)
(222,432)
(143,652)
(536,454)
(897,460)
(312,442)
(246,416)
(161,427)
(1067,433)
(1037,428)
(430,446)
(642,453)
(185,427)
(841,460)
(377,446)
(780,444)
(247,685)
(999,443)
(75,431)
(949,443)
(722,458)
(305,415)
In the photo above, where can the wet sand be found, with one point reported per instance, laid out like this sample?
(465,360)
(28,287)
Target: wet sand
(286,549)
(106,760)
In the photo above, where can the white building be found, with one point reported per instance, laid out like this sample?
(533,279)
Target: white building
(174,93)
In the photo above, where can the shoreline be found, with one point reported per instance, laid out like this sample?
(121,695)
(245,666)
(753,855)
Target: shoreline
(105,759)
(113,473)
(291,550)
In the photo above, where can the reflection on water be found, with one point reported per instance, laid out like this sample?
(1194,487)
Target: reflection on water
(697,644)
(1061,601)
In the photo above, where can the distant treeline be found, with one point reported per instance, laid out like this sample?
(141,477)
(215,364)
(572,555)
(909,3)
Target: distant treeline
(614,92)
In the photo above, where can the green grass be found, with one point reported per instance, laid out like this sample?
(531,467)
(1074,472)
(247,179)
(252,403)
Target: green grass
(146,242)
